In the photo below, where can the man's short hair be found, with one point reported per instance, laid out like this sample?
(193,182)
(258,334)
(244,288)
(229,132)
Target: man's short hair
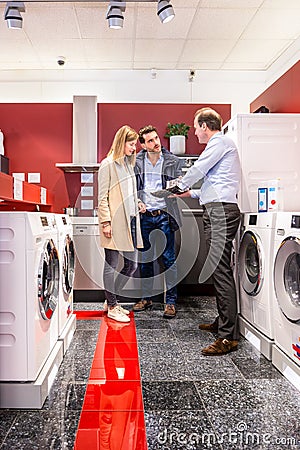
(209,116)
(145,130)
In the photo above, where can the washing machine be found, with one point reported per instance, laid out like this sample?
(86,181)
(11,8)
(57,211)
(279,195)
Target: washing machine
(67,270)
(255,275)
(29,286)
(286,311)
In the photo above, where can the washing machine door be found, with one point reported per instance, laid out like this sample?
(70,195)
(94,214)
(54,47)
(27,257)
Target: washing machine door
(251,263)
(48,280)
(68,267)
(287,278)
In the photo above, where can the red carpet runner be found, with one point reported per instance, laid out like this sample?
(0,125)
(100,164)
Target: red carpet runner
(112,417)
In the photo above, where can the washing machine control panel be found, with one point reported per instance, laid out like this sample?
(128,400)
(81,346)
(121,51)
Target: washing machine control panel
(44,221)
(295,222)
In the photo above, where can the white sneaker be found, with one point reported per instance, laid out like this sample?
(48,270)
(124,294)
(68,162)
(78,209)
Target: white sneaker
(116,314)
(105,308)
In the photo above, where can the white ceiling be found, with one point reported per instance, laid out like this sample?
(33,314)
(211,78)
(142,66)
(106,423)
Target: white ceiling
(205,34)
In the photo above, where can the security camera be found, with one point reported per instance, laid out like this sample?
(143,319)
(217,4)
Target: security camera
(61,60)
(192,75)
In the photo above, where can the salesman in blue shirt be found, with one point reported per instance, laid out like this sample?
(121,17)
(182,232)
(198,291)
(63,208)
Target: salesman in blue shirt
(219,168)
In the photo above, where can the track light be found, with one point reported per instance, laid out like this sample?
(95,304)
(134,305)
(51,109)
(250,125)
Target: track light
(12,14)
(165,11)
(114,14)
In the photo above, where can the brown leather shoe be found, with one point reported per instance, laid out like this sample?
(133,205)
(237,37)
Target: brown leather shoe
(169,312)
(142,305)
(220,347)
(212,327)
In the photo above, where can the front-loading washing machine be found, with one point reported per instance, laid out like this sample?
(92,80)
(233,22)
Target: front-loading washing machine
(29,285)
(66,252)
(255,275)
(286,311)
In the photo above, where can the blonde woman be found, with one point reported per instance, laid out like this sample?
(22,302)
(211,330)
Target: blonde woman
(118,212)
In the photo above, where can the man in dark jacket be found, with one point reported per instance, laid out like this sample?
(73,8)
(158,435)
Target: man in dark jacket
(154,167)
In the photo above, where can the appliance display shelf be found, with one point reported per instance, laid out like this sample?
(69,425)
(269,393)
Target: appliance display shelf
(31,194)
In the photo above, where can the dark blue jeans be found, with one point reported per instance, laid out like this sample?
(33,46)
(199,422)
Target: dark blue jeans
(161,242)
(113,280)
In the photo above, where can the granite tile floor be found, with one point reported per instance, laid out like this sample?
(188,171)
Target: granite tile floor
(236,401)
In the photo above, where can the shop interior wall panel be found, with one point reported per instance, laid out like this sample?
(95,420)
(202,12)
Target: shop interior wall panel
(283,96)
(39,135)
(112,116)
(36,136)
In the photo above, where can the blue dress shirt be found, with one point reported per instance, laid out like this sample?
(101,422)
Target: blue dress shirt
(219,167)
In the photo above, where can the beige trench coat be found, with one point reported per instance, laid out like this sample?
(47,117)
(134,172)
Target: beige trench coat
(113,188)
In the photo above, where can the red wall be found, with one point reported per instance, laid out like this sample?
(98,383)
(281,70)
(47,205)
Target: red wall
(36,136)
(113,115)
(283,96)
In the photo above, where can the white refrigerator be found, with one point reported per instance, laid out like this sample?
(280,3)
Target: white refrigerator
(269,149)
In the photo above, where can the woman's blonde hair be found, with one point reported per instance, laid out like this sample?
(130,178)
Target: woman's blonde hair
(123,135)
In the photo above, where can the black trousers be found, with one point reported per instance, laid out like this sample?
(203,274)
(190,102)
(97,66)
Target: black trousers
(221,222)
(113,280)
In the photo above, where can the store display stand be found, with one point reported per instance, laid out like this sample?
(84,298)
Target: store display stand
(32,395)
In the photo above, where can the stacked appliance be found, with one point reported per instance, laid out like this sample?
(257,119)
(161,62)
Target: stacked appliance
(255,280)
(66,320)
(29,284)
(268,147)
(190,245)
(286,307)
(89,259)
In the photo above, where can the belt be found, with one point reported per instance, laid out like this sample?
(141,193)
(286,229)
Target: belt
(217,204)
(155,212)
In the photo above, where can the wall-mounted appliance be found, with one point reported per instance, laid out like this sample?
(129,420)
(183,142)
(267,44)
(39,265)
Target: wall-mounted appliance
(85,136)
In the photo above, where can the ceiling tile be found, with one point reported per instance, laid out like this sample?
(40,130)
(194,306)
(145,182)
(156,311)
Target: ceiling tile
(53,20)
(292,4)
(244,66)
(17,51)
(212,23)
(157,50)
(72,49)
(108,50)
(205,34)
(230,4)
(256,51)
(206,50)
(274,24)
